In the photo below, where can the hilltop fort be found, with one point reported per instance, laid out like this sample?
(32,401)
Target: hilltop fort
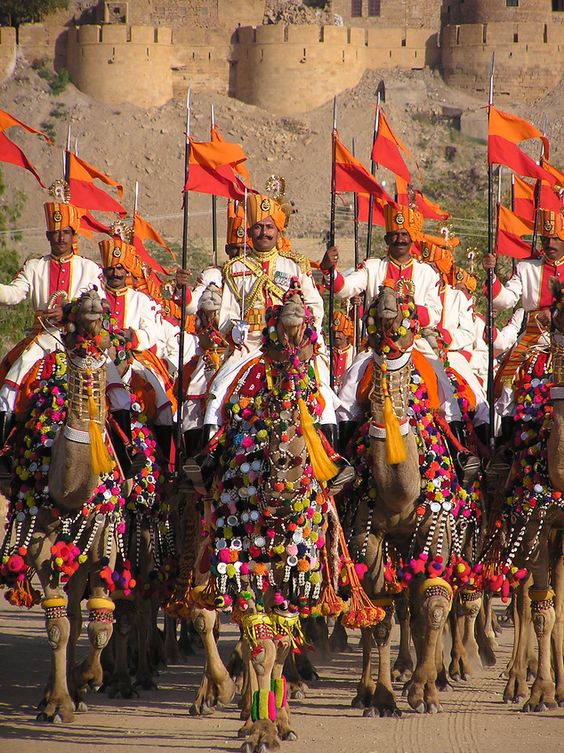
(147,51)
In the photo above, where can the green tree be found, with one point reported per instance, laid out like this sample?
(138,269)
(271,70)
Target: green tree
(17,12)
(14,320)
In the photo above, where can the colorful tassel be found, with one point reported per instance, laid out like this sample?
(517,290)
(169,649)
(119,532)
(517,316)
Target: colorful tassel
(395,446)
(323,467)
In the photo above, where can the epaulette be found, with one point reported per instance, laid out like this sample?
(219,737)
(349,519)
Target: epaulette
(301,260)
(228,264)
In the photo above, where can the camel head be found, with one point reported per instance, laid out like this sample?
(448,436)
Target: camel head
(209,305)
(84,318)
(557,308)
(289,331)
(392,318)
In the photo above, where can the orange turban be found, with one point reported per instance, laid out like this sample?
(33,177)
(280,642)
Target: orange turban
(59,215)
(115,251)
(342,323)
(403,218)
(260,207)
(442,258)
(551,223)
(462,277)
(236,230)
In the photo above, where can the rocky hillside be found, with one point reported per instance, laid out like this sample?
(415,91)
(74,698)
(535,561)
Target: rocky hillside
(147,145)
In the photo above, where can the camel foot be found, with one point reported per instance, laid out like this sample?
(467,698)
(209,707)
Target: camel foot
(81,706)
(542,706)
(122,689)
(487,656)
(423,698)
(305,667)
(515,690)
(262,737)
(363,698)
(289,736)
(145,683)
(202,709)
(541,698)
(402,674)
(297,690)
(245,730)
(56,712)
(225,691)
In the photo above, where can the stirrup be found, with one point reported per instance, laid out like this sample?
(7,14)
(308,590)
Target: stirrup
(345,476)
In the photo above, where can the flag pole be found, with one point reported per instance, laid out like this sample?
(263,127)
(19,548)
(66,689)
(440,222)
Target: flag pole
(331,243)
(180,395)
(373,172)
(135,207)
(356,320)
(66,160)
(214,204)
(536,196)
(489,284)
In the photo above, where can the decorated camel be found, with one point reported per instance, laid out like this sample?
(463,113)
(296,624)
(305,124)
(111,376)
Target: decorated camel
(273,538)
(405,504)
(533,516)
(65,520)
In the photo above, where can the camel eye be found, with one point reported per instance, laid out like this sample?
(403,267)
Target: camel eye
(282,463)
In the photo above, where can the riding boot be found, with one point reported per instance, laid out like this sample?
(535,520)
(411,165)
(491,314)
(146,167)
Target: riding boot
(466,464)
(200,468)
(163,435)
(346,433)
(346,471)
(7,421)
(482,431)
(131,462)
(193,442)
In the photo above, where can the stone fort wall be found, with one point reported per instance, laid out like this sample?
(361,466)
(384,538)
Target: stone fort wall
(144,51)
(313,63)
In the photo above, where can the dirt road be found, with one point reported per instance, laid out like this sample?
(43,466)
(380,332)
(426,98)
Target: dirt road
(474,718)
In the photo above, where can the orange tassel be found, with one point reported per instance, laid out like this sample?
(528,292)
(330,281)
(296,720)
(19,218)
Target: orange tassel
(361,612)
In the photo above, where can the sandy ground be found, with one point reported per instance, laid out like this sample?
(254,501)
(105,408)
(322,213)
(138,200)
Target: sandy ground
(474,717)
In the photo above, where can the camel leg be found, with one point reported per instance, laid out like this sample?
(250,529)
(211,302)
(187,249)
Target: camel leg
(172,651)
(487,641)
(338,640)
(366,686)
(464,655)
(516,687)
(283,724)
(403,665)
(544,618)
(58,703)
(260,728)
(558,629)
(422,694)
(120,684)
(383,699)
(143,622)
(457,667)
(217,686)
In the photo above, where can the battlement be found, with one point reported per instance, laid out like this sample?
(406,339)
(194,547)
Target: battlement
(526,55)
(116,63)
(319,60)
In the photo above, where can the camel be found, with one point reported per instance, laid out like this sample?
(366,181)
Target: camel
(66,501)
(399,518)
(532,560)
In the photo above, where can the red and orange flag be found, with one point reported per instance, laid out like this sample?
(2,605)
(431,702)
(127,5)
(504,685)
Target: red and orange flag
(386,149)
(510,229)
(10,152)
(212,168)
(378,217)
(351,175)
(505,131)
(84,193)
(144,231)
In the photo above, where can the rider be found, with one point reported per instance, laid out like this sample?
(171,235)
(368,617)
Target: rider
(45,280)
(403,228)
(252,282)
(343,352)
(138,315)
(530,285)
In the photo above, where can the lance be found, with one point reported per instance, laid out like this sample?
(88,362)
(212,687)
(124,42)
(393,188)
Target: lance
(331,243)
(179,379)
(373,171)
(66,159)
(214,204)
(536,196)
(489,284)
(357,322)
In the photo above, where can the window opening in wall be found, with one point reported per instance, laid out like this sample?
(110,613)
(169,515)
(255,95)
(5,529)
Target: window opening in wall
(545,34)
(374,7)
(512,3)
(516,37)
(356,8)
(558,6)
(458,35)
(404,42)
